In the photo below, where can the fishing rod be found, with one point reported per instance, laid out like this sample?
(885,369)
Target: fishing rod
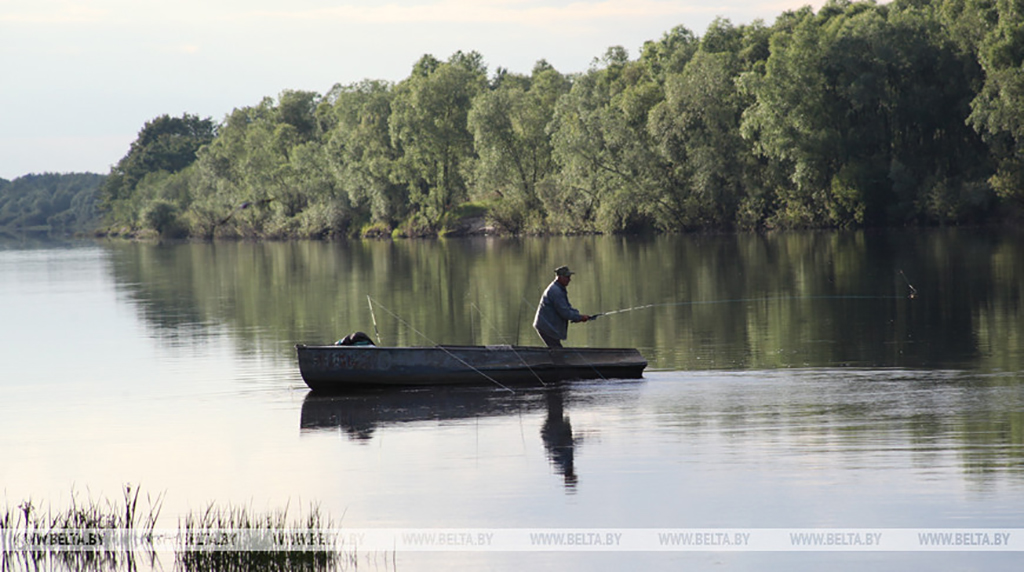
(634,308)
(374,318)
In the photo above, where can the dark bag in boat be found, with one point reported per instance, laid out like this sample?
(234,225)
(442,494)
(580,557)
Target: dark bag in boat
(355,339)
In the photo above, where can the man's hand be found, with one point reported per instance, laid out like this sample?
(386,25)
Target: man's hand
(584,318)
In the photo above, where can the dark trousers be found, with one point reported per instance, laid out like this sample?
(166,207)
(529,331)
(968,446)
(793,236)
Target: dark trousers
(551,342)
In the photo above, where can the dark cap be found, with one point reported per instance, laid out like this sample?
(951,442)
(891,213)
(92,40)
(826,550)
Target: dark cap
(563,271)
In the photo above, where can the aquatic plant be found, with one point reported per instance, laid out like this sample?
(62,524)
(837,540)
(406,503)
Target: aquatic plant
(41,538)
(218,538)
(210,540)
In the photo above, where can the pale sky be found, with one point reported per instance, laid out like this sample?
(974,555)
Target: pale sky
(79,78)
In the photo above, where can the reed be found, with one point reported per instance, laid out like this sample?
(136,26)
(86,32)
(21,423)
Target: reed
(27,522)
(86,514)
(269,540)
(285,544)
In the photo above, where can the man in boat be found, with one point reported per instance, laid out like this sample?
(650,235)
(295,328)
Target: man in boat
(554,311)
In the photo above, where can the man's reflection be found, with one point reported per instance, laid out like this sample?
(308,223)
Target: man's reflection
(558,439)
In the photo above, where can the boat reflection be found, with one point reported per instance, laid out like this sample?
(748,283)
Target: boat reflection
(360,415)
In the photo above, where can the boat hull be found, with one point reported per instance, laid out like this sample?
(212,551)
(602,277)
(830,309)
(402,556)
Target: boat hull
(333,368)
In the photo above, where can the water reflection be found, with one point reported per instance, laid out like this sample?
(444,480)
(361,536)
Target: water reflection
(80,561)
(873,419)
(60,559)
(724,302)
(558,438)
(360,415)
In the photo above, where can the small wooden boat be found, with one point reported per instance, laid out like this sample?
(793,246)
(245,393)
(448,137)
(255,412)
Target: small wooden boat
(336,367)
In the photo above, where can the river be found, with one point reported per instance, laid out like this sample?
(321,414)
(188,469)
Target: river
(820,381)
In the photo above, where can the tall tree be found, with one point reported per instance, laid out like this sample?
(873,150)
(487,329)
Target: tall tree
(509,131)
(165,144)
(696,128)
(361,153)
(610,172)
(863,107)
(998,110)
(266,158)
(429,126)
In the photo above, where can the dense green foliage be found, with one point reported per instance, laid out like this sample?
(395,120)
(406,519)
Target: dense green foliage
(855,115)
(147,186)
(51,202)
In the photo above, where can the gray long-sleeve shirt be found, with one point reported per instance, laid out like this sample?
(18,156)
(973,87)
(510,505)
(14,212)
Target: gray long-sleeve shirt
(554,312)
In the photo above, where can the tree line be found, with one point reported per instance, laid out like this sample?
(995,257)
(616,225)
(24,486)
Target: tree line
(907,113)
(51,202)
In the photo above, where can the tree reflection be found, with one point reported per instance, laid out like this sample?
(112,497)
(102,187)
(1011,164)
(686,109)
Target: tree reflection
(821,299)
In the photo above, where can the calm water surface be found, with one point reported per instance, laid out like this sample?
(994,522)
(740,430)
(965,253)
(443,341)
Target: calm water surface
(794,383)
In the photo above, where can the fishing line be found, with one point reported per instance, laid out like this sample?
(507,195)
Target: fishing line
(913,294)
(437,345)
(511,346)
(519,320)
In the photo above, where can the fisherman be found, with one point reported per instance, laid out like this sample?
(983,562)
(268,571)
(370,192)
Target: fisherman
(554,311)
